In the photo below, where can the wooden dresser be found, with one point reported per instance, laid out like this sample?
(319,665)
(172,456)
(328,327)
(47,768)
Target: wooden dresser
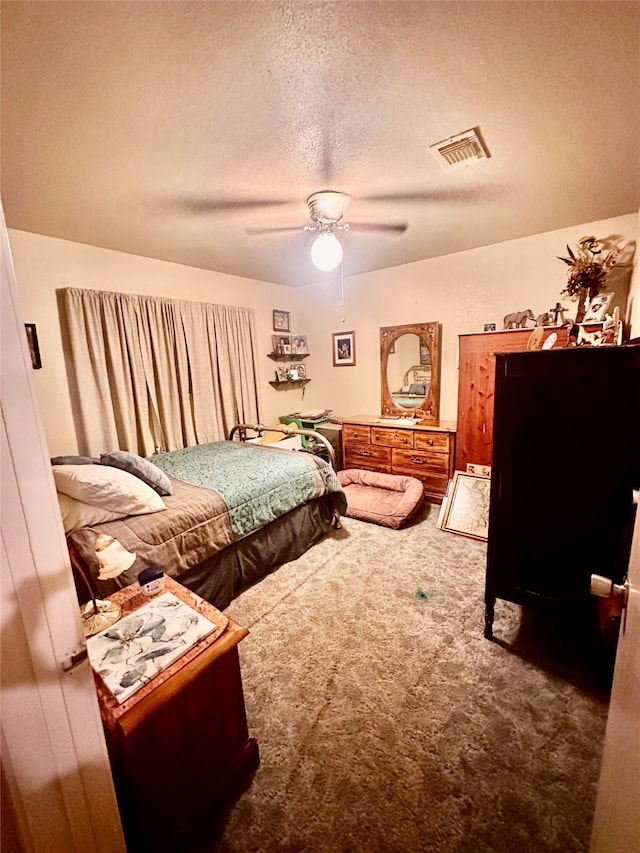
(476,379)
(425,450)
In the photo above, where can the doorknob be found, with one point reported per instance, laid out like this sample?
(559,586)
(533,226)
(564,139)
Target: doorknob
(606,588)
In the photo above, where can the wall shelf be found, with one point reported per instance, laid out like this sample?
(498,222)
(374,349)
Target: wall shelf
(288,383)
(278,356)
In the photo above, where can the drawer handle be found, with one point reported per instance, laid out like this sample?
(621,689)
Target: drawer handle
(405,440)
(417,461)
(366,453)
(430,442)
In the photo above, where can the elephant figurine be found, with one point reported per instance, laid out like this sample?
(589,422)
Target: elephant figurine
(518,319)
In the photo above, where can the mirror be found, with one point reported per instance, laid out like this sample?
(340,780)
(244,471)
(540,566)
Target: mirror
(410,370)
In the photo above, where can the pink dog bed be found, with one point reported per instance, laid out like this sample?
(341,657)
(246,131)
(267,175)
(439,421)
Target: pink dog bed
(388,499)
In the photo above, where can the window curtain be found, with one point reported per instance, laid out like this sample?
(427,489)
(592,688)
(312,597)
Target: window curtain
(146,372)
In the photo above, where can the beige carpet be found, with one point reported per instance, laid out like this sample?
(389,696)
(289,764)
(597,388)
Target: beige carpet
(385,720)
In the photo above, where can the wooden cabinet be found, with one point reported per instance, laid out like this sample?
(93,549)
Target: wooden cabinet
(476,376)
(566,459)
(179,744)
(417,450)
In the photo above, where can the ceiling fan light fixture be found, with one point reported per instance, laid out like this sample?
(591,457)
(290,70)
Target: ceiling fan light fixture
(326,251)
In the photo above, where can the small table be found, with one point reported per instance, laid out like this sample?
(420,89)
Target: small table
(181,743)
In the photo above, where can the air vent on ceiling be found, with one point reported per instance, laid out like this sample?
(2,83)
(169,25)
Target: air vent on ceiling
(463,149)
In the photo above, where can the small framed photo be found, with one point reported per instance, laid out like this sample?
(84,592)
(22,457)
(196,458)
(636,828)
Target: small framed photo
(344,349)
(598,308)
(465,509)
(478,470)
(425,358)
(281,321)
(281,344)
(302,371)
(34,349)
(299,345)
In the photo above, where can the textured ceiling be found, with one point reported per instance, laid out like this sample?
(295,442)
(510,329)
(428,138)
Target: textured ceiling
(171,129)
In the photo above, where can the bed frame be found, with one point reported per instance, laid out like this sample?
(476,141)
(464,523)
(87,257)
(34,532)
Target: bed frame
(317,438)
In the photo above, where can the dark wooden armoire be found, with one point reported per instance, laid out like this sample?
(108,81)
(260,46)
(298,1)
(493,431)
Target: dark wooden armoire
(566,457)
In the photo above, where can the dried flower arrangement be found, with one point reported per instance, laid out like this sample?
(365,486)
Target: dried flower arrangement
(588,273)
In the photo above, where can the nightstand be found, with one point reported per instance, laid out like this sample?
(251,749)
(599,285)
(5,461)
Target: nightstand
(180,744)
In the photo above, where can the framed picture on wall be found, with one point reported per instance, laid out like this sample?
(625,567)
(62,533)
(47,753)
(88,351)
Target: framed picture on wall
(344,349)
(34,349)
(281,321)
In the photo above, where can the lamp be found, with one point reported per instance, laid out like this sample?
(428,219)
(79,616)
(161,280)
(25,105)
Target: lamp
(113,559)
(326,251)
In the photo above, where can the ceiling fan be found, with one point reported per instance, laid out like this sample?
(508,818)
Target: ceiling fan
(326,210)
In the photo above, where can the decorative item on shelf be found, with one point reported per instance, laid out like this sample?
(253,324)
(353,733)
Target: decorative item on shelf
(302,371)
(299,345)
(518,319)
(281,344)
(534,340)
(281,321)
(489,327)
(292,374)
(587,272)
(344,349)
(597,308)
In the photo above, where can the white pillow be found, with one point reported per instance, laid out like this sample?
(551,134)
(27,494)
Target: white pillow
(108,488)
(76,514)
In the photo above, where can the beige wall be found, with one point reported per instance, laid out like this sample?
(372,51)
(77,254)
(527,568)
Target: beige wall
(461,291)
(45,264)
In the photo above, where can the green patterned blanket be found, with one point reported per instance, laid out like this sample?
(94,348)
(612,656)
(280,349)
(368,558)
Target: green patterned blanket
(257,484)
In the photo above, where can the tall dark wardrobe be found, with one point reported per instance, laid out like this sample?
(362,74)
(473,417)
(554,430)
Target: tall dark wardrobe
(566,457)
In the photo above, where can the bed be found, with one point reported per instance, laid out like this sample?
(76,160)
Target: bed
(237,511)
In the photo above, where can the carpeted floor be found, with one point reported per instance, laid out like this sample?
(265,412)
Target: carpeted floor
(385,720)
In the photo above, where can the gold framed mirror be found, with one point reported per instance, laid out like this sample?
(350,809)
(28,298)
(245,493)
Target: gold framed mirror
(410,371)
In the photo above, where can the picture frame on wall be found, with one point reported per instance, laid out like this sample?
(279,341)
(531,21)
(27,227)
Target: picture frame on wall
(281,320)
(281,344)
(34,349)
(344,349)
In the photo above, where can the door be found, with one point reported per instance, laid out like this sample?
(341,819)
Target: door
(616,827)
(57,786)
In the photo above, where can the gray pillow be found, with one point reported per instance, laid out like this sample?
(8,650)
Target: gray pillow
(141,468)
(74,460)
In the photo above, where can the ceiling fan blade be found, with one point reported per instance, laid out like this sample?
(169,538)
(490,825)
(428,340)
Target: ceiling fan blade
(437,194)
(274,230)
(380,227)
(212,205)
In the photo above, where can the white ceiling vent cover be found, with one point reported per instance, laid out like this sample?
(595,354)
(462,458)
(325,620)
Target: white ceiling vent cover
(464,149)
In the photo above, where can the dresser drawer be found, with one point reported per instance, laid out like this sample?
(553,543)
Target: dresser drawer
(410,461)
(368,456)
(439,441)
(355,432)
(391,437)
(435,485)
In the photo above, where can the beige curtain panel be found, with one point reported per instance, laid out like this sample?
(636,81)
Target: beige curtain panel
(146,372)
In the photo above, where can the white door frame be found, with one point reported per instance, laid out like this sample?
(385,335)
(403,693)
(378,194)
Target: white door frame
(54,758)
